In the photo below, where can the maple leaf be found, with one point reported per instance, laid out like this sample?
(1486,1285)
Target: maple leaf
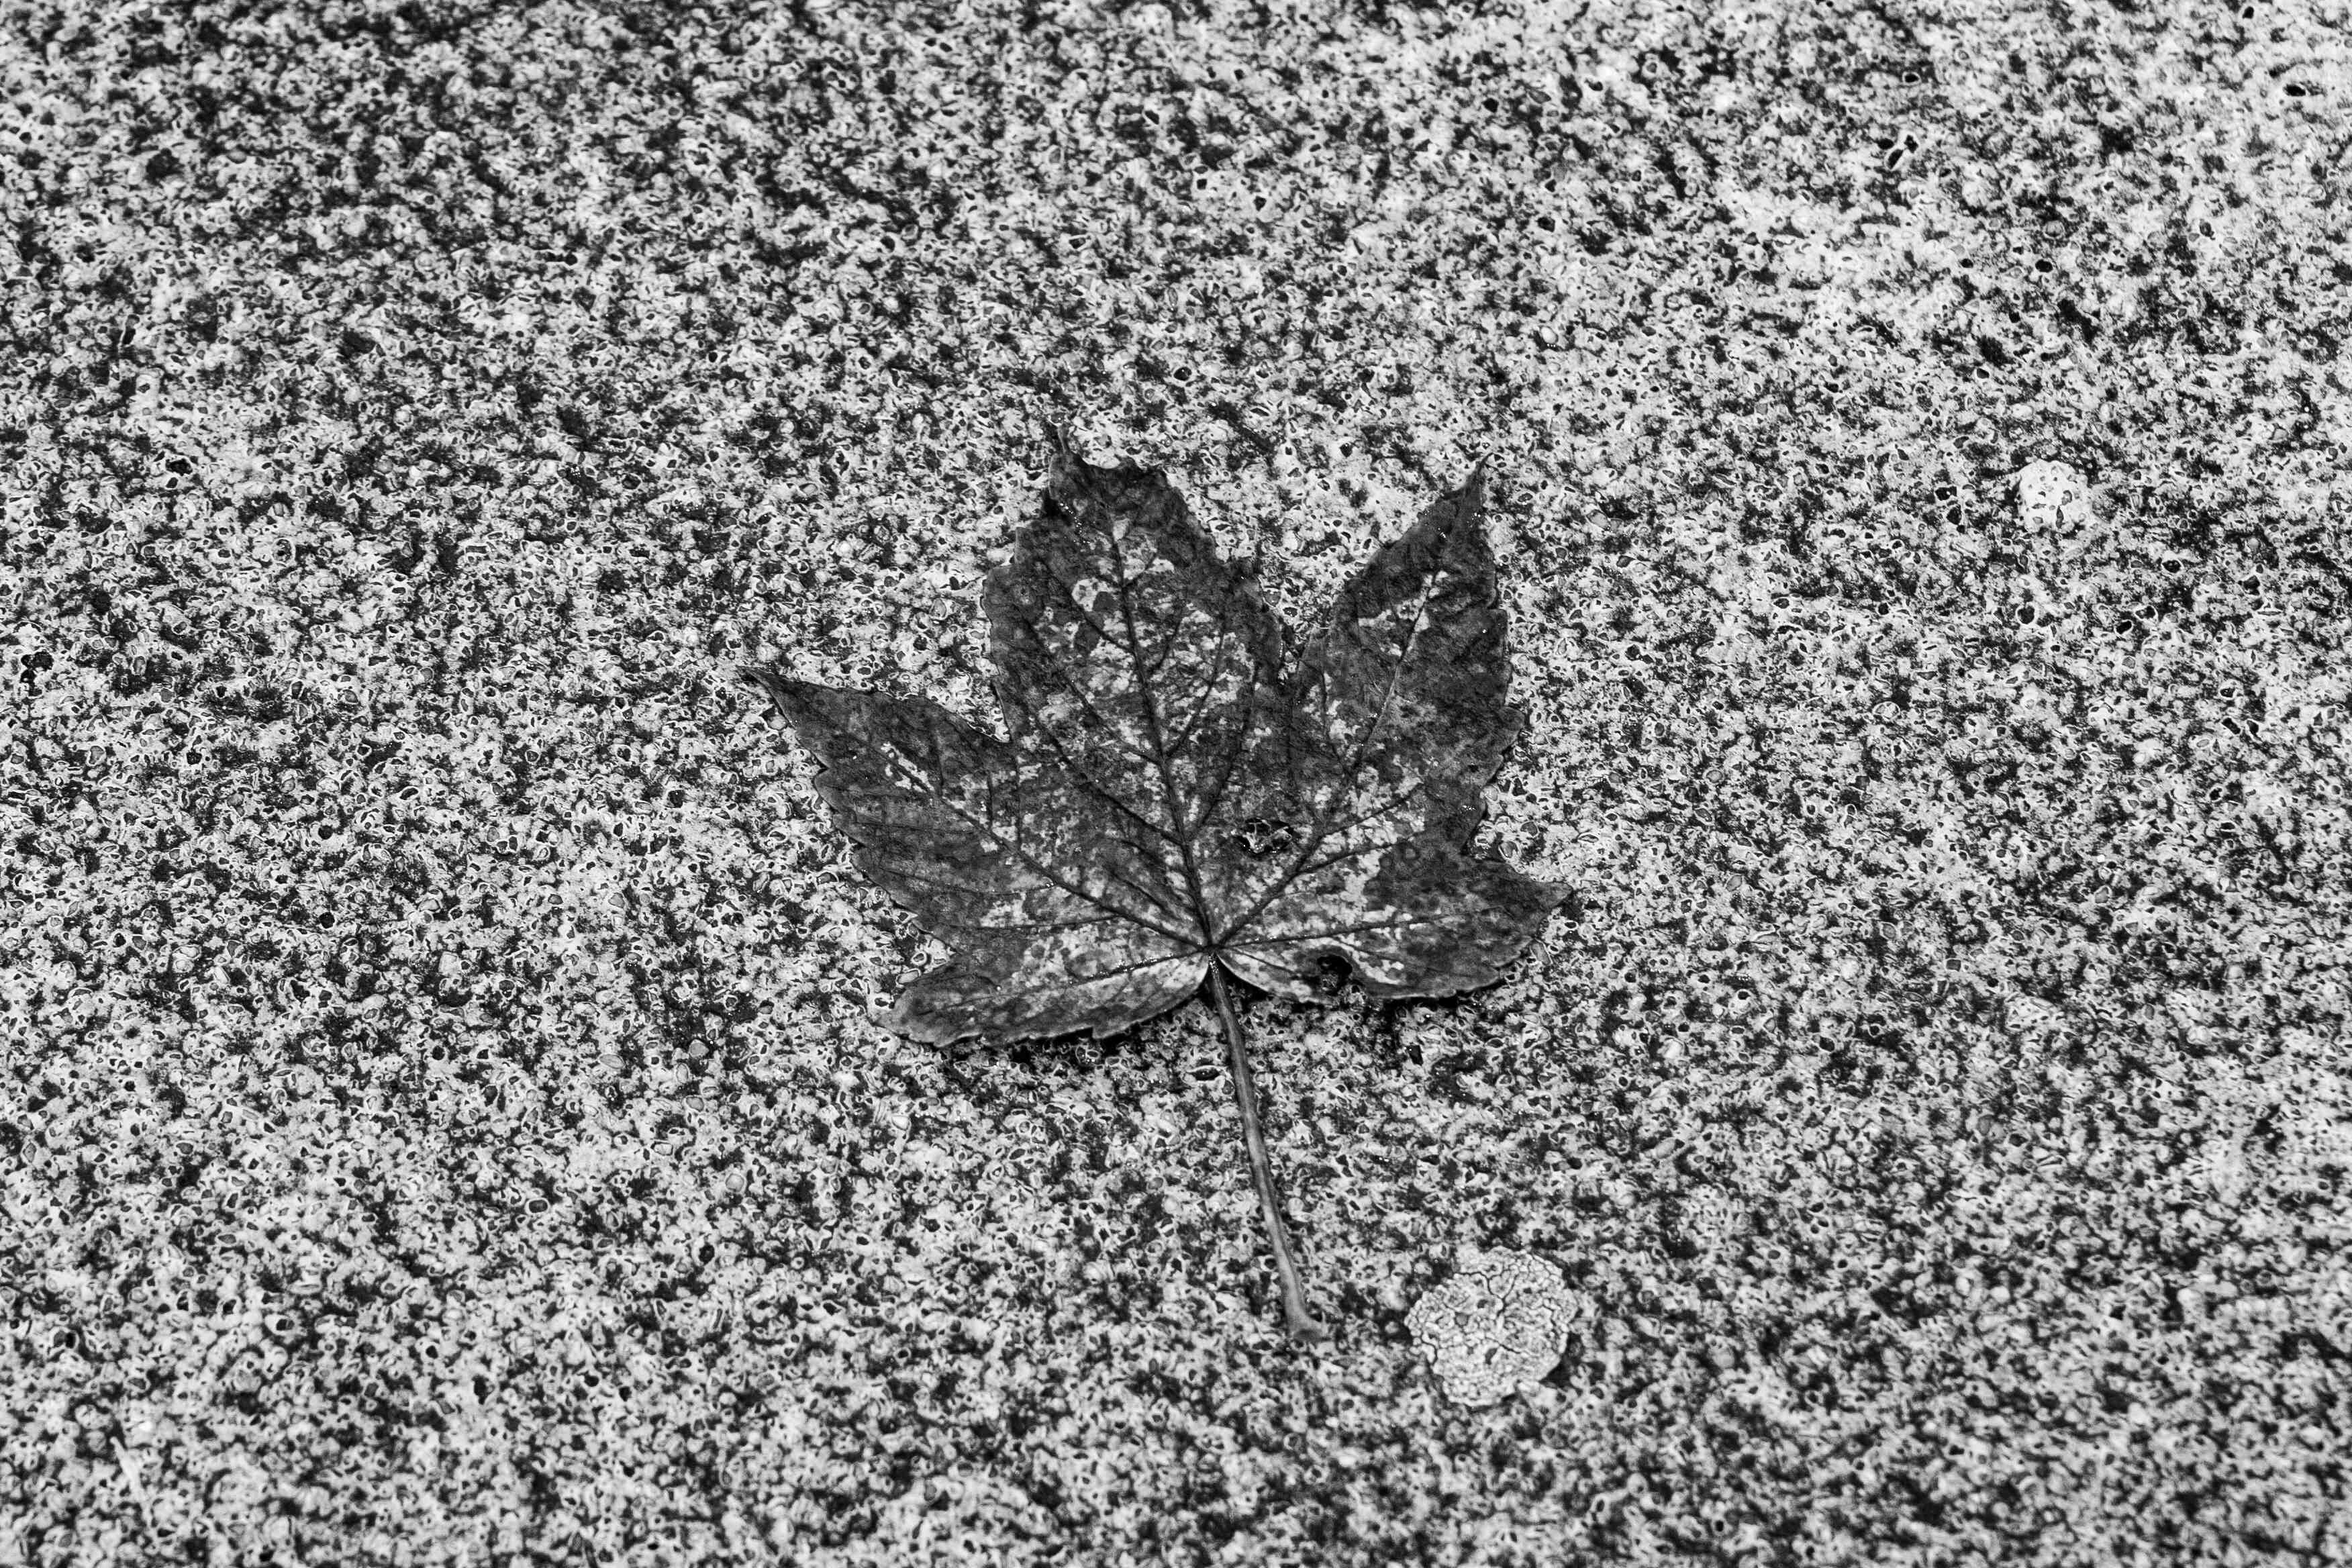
(1178,800)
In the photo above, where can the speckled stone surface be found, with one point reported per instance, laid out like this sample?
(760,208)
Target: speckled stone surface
(444,1117)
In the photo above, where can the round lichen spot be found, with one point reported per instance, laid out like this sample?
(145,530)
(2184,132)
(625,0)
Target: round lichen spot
(1503,1320)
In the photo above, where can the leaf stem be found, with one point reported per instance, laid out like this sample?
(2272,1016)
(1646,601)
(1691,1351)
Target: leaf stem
(1302,1323)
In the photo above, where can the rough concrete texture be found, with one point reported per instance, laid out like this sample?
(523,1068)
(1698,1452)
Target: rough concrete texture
(445,1119)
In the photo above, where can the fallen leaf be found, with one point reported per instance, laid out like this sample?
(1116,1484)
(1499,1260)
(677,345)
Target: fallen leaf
(1177,799)
(1172,795)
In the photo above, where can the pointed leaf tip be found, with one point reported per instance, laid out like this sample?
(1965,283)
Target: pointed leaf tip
(1066,469)
(766,679)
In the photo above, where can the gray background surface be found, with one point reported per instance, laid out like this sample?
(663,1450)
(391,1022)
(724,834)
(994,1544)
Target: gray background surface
(444,1120)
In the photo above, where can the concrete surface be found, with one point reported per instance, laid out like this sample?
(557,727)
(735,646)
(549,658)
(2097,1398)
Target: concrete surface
(444,1120)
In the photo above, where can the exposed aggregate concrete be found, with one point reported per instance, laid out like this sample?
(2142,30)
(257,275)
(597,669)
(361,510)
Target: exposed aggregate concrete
(445,1117)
